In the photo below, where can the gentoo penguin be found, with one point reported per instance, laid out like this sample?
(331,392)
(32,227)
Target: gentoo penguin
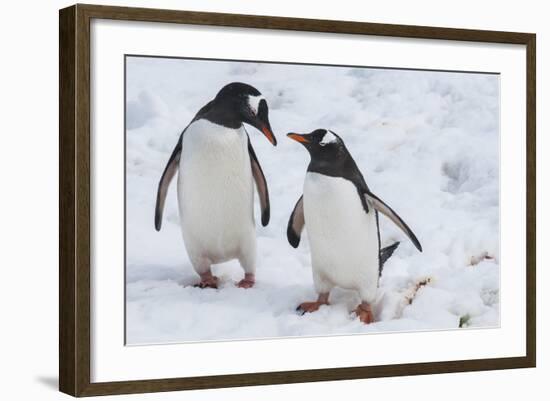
(217,166)
(341,214)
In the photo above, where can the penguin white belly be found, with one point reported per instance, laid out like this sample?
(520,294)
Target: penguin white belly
(343,238)
(215,194)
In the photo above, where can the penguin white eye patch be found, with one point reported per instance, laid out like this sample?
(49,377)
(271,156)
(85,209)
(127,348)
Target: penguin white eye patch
(254,102)
(328,138)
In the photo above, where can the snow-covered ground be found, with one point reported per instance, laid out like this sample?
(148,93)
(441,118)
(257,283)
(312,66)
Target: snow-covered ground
(426,142)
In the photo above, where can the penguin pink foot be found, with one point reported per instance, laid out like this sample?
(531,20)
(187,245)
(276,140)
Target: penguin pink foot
(364,312)
(308,307)
(208,280)
(247,282)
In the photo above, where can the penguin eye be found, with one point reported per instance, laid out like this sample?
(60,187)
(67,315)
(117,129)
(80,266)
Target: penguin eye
(250,111)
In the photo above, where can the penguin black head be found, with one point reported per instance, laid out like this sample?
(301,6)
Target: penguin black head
(238,103)
(322,144)
(329,154)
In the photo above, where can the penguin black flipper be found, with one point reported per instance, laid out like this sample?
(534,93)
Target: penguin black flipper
(296,223)
(261,184)
(379,205)
(169,173)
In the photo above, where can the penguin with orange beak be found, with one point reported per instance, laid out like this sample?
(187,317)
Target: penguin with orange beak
(341,215)
(217,168)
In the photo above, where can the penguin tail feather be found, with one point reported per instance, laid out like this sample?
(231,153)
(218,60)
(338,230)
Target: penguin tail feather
(386,252)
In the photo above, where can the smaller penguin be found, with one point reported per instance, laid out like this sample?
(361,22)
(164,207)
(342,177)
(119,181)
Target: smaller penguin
(341,214)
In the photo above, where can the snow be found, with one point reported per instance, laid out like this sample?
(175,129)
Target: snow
(428,145)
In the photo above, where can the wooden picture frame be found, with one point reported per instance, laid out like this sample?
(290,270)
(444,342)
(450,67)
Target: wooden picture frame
(74,199)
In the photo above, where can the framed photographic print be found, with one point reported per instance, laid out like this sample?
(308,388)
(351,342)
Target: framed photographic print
(250,200)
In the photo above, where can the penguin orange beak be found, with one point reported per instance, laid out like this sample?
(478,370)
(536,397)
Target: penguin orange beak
(298,138)
(269,134)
